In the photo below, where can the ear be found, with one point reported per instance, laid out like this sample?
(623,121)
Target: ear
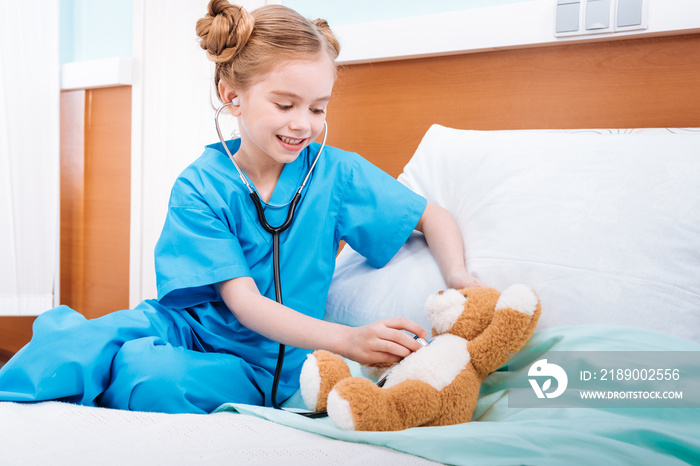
(227,94)
(444,308)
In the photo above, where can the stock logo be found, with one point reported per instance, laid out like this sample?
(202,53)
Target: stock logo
(542,368)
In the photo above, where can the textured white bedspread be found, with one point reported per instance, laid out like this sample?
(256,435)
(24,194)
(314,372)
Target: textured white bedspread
(60,433)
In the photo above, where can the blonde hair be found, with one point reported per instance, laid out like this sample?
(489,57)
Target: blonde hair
(247,45)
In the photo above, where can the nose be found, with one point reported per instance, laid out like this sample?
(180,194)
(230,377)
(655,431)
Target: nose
(300,122)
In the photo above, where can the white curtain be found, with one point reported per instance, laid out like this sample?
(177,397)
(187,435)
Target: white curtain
(29,154)
(173,119)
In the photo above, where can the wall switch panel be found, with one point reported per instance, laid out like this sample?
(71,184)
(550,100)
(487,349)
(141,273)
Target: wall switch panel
(631,15)
(584,17)
(568,16)
(598,15)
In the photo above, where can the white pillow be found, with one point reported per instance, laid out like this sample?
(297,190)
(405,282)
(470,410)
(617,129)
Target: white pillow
(603,224)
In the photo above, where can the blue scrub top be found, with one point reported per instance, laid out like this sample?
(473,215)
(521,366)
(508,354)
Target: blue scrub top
(212,234)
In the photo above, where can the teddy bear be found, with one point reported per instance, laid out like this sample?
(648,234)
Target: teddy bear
(473,331)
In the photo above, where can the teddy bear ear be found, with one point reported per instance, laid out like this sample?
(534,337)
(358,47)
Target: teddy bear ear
(444,308)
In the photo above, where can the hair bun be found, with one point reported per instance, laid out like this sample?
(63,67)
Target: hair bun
(325,29)
(224,31)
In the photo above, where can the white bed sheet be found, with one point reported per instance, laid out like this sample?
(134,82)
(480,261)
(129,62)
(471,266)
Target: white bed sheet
(60,433)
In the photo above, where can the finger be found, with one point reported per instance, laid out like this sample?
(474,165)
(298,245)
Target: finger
(474,283)
(384,357)
(401,342)
(400,323)
(398,350)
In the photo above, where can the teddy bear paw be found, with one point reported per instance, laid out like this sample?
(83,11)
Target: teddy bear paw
(320,372)
(340,411)
(519,298)
(310,382)
(357,404)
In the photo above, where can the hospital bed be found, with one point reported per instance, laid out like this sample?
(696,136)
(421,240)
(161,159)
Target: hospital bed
(601,219)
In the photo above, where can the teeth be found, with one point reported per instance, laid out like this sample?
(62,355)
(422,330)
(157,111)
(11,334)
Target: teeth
(287,140)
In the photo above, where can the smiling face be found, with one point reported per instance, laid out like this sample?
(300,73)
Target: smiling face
(281,114)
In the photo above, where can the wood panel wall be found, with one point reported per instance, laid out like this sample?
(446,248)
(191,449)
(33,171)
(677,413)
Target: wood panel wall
(382,110)
(96,199)
(15,332)
(95,208)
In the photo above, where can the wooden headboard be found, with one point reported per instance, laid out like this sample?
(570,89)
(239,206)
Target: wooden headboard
(382,110)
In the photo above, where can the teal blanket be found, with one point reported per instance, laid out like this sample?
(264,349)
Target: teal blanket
(503,435)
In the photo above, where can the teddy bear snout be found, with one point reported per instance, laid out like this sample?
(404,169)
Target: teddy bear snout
(444,308)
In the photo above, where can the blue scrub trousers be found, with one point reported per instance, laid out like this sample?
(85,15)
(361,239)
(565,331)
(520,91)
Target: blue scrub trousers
(143,359)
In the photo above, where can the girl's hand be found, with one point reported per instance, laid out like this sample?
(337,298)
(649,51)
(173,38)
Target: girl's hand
(462,279)
(383,341)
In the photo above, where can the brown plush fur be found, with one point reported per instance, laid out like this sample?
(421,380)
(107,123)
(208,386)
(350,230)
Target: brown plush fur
(489,336)
(334,370)
(406,405)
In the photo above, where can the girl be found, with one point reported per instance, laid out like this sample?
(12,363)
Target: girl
(211,336)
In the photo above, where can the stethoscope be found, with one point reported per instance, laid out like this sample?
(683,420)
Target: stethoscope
(275,232)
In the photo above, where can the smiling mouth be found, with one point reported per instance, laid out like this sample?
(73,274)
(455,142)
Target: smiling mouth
(291,141)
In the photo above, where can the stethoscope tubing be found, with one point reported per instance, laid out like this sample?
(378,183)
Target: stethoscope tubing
(275,232)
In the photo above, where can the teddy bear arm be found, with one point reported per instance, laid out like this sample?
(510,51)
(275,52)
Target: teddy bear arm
(507,332)
(515,317)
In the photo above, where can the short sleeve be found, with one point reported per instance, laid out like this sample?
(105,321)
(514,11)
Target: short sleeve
(196,249)
(377,213)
